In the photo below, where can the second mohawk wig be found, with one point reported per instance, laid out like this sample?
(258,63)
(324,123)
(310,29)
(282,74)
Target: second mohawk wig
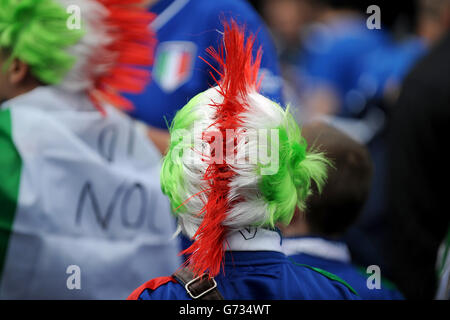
(106,55)
(114,52)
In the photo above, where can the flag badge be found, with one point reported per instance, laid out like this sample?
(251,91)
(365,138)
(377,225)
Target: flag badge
(174,63)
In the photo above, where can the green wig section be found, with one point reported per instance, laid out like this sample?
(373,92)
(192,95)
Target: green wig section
(36,32)
(291,184)
(181,138)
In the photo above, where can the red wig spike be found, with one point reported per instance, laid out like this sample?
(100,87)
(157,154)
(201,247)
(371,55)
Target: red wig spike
(133,46)
(239,76)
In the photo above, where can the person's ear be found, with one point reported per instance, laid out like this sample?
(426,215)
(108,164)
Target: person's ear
(298,215)
(295,227)
(17,71)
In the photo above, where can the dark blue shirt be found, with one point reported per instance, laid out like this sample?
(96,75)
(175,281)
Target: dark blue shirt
(256,275)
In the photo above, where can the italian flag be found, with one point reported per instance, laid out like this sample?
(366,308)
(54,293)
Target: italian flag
(173,64)
(82,215)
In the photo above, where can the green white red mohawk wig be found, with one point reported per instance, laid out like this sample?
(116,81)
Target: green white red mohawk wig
(214,174)
(103,57)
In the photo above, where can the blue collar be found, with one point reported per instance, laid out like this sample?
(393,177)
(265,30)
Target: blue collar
(253,258)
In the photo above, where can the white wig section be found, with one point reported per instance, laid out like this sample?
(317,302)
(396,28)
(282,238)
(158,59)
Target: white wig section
(194,167)
(92,57)
(251,209)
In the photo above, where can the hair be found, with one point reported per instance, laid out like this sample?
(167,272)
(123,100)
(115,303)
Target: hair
(212,200)
(112,55)
(338,205)
(104,57)
(91,46)
(35,32)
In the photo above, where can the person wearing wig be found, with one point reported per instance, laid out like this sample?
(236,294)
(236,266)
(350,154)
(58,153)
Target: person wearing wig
(315,237)
(79,190)
(228,197)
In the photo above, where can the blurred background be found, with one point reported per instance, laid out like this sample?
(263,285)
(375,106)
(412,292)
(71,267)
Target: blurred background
(336,68)
(333,64)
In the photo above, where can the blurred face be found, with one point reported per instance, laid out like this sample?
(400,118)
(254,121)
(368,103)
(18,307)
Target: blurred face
(434,19)
(287,17)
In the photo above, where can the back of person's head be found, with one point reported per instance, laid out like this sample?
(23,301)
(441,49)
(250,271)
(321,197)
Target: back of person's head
(332,211)
(236,158)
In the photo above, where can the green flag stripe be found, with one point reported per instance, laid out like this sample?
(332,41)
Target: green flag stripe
(161,67)
(10,170)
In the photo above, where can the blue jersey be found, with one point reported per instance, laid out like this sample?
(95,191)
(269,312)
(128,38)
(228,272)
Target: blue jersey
(255,274)
(389,64)
(334,56)
(334,257)
(185,28)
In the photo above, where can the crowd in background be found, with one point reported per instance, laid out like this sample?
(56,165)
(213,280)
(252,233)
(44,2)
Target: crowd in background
(338,69)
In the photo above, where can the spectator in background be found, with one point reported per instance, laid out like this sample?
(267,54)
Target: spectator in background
(344,66)
(332,86)
(330,63)
(314,237)
(287,19)
(349,75)
(418,198)
(433,19)
(185,28)
(387,66)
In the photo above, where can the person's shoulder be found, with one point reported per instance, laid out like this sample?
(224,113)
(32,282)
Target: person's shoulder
(161,288)
(326,284)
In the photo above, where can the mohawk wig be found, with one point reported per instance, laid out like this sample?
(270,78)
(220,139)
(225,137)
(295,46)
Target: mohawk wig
(214,193)
(101,58)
